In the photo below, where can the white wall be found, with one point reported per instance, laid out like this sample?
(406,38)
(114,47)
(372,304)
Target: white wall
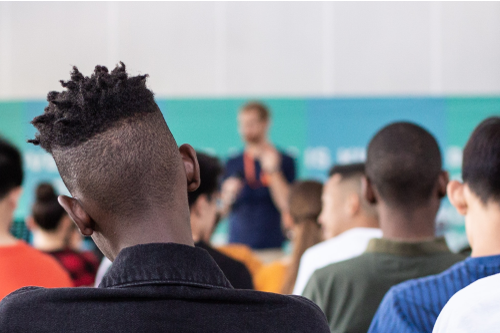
(197,49)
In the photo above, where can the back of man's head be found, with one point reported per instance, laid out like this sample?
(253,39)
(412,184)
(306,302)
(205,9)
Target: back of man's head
(481,161)
(403,164)
(109,140)
(350,179)
(210,173)
(11,168)
(115,152)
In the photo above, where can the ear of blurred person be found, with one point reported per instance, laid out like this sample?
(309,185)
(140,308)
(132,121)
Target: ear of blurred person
(54,233)
(129,184)
(348,222)
(405,183)
(477,199)
(304,204)
(20,265)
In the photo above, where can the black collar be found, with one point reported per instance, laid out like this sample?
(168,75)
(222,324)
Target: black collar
(164,263)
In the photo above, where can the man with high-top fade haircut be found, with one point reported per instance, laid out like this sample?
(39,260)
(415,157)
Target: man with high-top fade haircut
(129,182)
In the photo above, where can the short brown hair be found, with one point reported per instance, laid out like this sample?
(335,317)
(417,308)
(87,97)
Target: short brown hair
(261,109)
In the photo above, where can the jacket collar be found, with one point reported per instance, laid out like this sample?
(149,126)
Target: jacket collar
(382,245)
(164,263)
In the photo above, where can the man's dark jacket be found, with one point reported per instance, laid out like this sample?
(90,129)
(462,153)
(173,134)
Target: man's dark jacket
(159,288)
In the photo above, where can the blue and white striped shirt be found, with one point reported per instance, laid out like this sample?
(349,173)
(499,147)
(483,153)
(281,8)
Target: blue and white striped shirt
(413,306)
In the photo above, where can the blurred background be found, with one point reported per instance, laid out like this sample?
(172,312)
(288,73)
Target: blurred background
(332,73)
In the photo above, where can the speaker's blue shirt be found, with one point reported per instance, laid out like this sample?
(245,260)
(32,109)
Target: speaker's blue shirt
(413,306)
(254,219)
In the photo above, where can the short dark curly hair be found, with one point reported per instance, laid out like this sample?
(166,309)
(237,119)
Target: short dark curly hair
(404,163)
(481,160)
(90,106)
(109,140)
(11,168)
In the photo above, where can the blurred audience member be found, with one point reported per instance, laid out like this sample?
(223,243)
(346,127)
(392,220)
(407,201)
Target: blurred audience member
(129,181)
(243,254)
(54,233)
(475,308)
(347,219)
(20,264)
(304,208)
(203,208)
(405,181)
(256,184)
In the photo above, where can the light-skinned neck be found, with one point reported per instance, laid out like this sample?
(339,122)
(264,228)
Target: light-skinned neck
(485,225)
(7,207)
(53,240)
(256,148)
(48,241)
(482,220)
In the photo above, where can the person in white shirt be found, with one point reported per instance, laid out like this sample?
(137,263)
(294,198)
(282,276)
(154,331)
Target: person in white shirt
(473,309)
(476,308)
(347,219)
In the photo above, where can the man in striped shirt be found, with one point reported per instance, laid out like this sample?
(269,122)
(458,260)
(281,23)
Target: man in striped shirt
(414,306)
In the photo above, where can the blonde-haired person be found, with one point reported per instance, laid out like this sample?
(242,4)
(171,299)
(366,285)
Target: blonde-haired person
(302,217)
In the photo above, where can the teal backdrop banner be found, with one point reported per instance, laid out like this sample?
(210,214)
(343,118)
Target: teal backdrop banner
(317,132)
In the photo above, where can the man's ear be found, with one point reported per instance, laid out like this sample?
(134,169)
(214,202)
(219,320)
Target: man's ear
(76,212)
(368,190)
(191,166)
(443,180)
(456,196)
(353,204)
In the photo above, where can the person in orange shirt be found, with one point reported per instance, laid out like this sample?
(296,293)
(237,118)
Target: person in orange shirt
(20,264)
(302,216)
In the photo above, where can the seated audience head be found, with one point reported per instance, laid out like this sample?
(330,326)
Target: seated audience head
(203,201)
(478,197)
(344,206)
(405,180)
(11,178)
(304,208)
(119,161)
(253,122)
(48,217)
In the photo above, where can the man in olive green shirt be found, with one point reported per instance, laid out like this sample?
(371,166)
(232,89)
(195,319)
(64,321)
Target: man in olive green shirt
(405,181)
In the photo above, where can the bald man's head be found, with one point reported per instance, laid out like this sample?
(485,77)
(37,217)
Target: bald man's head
(403,164)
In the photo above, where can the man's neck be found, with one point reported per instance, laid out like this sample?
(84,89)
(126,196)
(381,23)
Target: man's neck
(6,216)
(408,225)
(255,148)
(48,241)
(485,230)
(160,228)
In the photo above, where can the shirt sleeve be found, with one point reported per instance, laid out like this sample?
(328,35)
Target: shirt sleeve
(390,317)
